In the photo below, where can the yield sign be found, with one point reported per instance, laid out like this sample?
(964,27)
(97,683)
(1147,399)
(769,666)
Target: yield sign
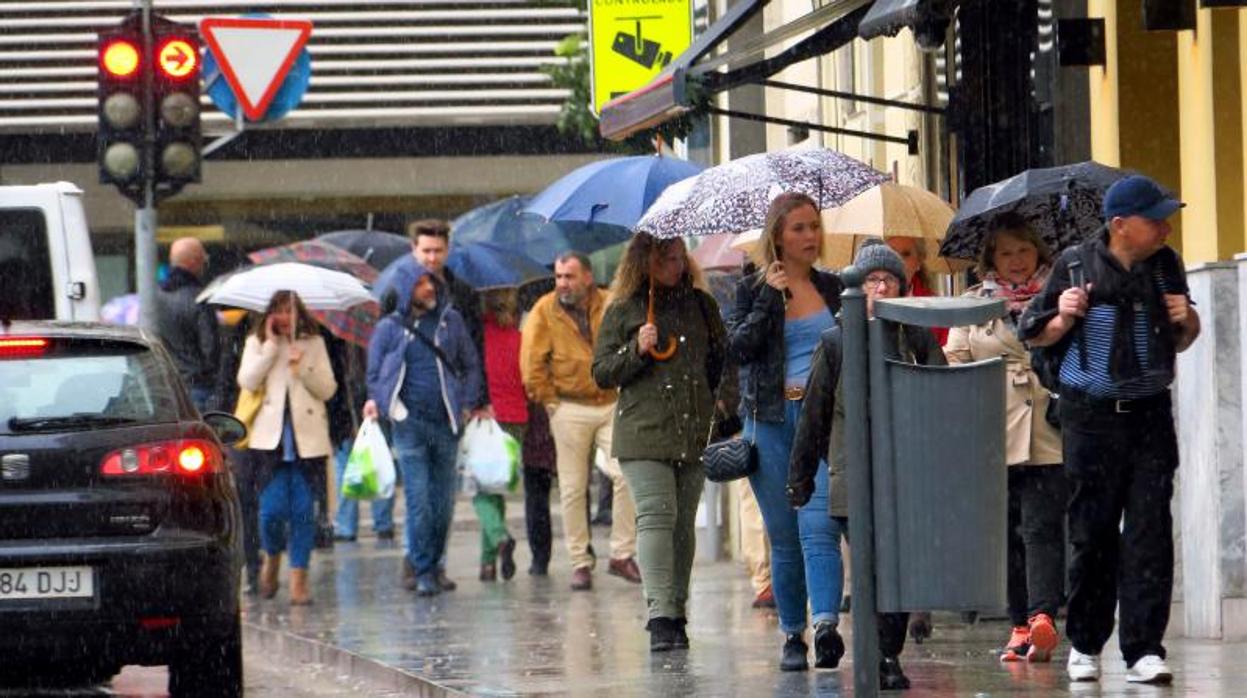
(255,55)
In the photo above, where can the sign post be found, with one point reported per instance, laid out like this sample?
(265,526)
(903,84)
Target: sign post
(631,41)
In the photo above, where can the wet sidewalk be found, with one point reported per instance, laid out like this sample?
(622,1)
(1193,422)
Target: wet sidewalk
(532,635)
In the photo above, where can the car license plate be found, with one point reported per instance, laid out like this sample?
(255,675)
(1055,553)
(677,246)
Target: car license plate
(21,583)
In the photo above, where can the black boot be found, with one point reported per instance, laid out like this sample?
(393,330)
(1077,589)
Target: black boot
(794,656)
(681,637)
(828,646)
(662,634)
(891,678)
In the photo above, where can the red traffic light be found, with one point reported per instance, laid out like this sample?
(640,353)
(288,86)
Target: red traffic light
(120,58)
(177,57)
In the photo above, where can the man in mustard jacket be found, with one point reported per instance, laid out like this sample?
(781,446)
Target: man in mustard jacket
(556,360)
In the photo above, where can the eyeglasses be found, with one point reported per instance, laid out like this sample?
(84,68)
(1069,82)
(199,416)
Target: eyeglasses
(881,280)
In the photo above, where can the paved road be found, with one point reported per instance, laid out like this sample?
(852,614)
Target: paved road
(265,679)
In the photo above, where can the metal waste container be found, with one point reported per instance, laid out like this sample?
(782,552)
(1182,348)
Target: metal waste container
(938,467)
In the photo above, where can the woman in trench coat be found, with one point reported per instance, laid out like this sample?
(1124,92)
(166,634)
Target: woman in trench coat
(1014,265)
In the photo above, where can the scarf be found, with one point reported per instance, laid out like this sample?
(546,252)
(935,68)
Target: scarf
(1016,296)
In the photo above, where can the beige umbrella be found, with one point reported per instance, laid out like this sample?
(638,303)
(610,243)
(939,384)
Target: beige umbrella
(885,210)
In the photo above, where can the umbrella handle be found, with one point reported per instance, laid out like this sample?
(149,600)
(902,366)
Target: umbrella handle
(669,352)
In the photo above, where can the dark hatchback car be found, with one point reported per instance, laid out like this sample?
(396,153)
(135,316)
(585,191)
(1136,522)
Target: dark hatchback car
(119,522)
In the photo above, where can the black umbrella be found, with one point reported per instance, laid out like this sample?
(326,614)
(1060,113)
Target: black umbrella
(376,247)
(1062,204)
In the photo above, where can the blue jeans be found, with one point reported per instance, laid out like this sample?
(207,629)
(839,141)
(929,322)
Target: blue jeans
(805,544)
(426,457)
(287,501)
(346,522)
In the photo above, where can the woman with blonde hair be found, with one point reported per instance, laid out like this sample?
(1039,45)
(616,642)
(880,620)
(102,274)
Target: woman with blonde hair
(781,310)
(285,358)
(662,344)
(1014,265)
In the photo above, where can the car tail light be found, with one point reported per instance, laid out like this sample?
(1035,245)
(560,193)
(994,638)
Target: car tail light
(21,347)
(188,457)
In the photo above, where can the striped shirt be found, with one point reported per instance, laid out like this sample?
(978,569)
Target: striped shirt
(1096,381)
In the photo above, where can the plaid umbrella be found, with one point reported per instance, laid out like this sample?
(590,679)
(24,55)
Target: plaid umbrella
(354,325)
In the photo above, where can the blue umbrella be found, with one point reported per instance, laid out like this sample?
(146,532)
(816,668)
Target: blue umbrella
(501,224)
(479,264)
(615,191)
(485,265)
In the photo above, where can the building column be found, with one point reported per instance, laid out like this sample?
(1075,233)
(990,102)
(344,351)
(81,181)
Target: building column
(1209,503)
(1211,131)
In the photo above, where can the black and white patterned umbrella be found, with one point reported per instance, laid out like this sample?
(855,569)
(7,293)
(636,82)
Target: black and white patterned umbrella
(1062,204)
(734,197)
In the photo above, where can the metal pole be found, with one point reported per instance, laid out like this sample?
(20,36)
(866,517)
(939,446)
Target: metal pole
(854,372)
(145,219)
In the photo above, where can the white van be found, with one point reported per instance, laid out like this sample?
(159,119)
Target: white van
(47,268)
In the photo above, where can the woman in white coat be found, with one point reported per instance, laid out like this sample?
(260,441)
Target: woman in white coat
(285,359)
(1014,266)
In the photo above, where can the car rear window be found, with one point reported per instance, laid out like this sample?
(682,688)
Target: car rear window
(25,266)
(96,382)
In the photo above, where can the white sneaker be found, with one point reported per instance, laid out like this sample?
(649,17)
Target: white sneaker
(1083,667)
(1149,669)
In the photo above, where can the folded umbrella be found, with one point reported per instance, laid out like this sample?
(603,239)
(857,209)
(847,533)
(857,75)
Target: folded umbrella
(616,191)
(317,287)
(1062,204)
(502,223)
(734,197)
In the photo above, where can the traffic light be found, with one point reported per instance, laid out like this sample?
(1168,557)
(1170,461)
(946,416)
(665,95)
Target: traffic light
(149,107)
(122,107)
(175,99)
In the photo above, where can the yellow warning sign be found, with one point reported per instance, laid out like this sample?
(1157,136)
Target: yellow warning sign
(631,41)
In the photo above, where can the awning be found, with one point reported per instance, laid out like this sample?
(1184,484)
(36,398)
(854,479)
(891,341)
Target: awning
(676,89)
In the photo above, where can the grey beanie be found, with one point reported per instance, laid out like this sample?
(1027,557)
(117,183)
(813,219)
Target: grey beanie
(875,255)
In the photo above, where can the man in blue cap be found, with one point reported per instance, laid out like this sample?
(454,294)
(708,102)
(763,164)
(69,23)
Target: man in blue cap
(1115,312)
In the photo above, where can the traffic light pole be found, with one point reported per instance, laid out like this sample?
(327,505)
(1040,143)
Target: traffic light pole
(145,219)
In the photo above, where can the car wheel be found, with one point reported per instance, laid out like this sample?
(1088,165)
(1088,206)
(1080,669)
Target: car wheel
(212,670)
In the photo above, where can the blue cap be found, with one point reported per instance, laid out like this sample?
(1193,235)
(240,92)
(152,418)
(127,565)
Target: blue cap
(1137,195)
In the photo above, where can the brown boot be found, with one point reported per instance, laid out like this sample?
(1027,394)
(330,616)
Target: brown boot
(268,575)
(299,594)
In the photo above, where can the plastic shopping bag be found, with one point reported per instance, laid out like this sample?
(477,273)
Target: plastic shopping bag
(490,456)
(369,470)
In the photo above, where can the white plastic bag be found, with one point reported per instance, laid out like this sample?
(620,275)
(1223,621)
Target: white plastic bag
(490,456)
(369,472)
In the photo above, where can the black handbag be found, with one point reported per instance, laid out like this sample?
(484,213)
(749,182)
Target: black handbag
(731,458)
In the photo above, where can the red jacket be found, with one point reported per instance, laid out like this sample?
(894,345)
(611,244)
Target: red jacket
(502,373)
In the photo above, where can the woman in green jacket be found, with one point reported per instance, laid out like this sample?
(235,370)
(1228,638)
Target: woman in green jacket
(662,344)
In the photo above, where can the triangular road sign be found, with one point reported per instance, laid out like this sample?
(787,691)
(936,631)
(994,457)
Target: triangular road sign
(255,55)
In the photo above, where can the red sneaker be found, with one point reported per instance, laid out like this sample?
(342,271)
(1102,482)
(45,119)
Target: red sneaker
(764,599)
(1044,638)
(1019,645)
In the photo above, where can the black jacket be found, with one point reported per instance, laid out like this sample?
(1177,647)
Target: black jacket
(1140,289)
(820,428)
(187,328)
(756,340)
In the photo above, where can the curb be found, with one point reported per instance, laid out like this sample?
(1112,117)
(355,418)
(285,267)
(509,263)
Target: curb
(293,648)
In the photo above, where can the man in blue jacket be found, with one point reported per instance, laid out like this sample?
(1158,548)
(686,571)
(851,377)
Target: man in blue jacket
(425,375)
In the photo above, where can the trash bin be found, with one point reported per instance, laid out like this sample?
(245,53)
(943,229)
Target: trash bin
(938,468)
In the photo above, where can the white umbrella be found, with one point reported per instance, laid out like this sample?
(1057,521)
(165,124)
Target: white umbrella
(318,288)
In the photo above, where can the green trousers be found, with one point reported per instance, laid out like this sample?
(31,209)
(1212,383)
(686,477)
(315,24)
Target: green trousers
(491,512)
(491,509)
(666,494)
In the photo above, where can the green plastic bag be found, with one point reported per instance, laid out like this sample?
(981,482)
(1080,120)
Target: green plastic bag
(369,472)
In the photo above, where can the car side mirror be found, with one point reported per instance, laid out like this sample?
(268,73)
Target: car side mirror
(229,429)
